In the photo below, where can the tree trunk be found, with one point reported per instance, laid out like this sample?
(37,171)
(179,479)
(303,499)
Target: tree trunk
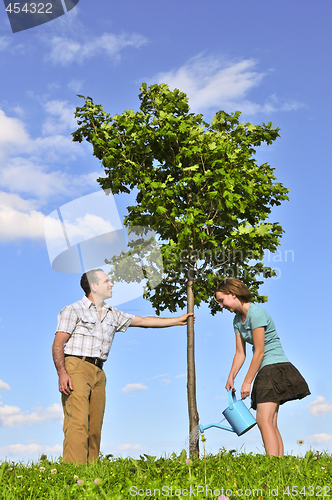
(191,377)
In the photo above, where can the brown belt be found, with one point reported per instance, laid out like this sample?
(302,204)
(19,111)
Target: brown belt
(95,361)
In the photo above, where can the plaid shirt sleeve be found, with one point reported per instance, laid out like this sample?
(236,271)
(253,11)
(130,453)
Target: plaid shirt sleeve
(67,320)
(123,320)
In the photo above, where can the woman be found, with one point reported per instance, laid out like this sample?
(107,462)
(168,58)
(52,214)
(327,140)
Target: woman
(277,380)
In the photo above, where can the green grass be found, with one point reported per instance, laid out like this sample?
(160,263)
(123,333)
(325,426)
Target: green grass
(171,477)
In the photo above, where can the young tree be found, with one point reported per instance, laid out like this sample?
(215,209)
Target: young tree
(199,187)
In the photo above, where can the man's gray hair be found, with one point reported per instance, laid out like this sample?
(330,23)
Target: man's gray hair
(87,278)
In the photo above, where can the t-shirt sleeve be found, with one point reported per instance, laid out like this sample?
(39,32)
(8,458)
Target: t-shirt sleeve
(258,318)
(123,320)
(67,320)
(236,324)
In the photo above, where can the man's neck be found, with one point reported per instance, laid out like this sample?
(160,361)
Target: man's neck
(97,301)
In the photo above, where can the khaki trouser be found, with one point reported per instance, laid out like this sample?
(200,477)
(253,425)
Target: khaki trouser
(83,411)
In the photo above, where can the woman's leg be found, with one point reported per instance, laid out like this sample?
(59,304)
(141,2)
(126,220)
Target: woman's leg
(266,416)
(281,444)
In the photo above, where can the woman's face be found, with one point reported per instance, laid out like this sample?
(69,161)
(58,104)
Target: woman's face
(228,301)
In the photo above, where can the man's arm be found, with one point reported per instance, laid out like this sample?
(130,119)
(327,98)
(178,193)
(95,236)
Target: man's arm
(154,322)
(65,383)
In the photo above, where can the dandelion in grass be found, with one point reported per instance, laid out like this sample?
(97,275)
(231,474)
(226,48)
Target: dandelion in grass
(300,442)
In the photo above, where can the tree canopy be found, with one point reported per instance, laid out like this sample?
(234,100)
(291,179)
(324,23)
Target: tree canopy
(198,186)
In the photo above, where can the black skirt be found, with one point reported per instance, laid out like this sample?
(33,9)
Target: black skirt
(278,383)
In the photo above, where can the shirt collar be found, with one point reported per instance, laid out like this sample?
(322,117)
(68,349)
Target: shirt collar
(88,303)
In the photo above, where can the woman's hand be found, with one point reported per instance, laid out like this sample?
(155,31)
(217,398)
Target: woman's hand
(230,384)
(245,390)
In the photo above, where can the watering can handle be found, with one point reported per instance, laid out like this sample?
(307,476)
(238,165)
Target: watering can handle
(231,399)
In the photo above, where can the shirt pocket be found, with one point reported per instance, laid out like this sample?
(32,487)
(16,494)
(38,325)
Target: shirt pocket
(110,326)
(86,325)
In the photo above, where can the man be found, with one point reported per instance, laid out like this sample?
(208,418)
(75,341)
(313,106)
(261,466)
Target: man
(82,342)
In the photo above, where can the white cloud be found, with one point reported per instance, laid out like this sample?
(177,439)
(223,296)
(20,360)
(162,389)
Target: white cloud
(15,139)
(212,82)
(164,380)
(60,118)
(320,407)
(16,225)
(18,110)
(65,50)
(53,412)
(127,447)
(81,229)
(4,386)
(13,416)
(75,85)
(134,388)
(25,176)
(4,43)
(322,438)
(12,131)
(7,45)
(159,376)
(181,375)
(30,449)
(209,81)
(20,219)
(87,227)
(28,177)
(55,148)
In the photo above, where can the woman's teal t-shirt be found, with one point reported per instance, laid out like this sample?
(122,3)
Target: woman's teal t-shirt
(256,317)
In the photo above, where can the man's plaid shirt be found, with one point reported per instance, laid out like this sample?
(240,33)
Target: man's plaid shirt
(89,335)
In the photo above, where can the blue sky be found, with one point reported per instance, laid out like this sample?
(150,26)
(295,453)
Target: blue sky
(270,60)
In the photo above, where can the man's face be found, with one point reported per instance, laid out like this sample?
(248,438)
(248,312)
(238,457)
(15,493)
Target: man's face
(103,288)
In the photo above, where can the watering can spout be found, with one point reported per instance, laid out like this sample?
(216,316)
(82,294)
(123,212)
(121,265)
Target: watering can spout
(223,427)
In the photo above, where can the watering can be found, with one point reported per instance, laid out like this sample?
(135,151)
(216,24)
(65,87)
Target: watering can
(237,415)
